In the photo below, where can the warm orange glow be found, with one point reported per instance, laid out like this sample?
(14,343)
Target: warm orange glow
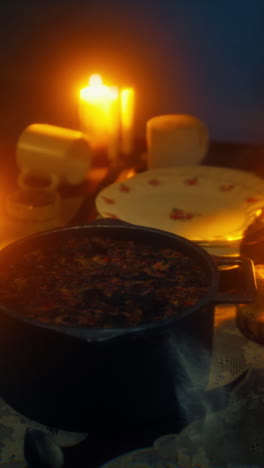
(126,174)
(224,314)
(131,173)
(259,270)
(260,317)
(233,238)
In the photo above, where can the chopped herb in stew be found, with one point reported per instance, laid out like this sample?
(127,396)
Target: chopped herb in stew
(102,283)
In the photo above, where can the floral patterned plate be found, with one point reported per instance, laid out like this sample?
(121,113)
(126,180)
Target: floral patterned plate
(205,204)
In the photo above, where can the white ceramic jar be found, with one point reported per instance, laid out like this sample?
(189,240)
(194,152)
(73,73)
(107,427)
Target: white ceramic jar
(49,149)
(176,139)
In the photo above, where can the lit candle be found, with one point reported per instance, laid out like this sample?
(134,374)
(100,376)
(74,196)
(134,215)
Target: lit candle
(99,115)
(127,120)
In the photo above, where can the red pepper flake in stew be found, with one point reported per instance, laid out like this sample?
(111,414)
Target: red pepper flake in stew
(102,283)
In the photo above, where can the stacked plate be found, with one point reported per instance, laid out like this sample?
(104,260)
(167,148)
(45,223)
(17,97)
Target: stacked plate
(211,206)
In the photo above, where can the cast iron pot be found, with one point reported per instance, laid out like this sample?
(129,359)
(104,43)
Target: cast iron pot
(81,379)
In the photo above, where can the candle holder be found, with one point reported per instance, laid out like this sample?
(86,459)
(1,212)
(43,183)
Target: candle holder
(31,211)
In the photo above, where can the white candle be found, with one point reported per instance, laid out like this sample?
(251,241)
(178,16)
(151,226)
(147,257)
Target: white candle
(127,120)
(99,115)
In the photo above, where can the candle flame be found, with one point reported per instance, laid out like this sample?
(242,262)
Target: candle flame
(98,91)
(95,80)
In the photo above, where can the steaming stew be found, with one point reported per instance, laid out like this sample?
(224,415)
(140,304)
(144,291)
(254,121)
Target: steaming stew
(101,283)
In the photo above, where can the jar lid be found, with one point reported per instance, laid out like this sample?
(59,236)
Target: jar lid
(33,205)
(34,179)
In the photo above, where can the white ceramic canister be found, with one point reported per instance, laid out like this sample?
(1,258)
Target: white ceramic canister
(176,139)
(54,150)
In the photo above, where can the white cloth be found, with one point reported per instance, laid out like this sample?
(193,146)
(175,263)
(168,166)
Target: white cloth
(230,438)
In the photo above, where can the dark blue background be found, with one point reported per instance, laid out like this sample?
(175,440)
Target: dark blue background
(203,57)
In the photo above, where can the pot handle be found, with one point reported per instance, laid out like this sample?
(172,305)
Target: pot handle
(246,293)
